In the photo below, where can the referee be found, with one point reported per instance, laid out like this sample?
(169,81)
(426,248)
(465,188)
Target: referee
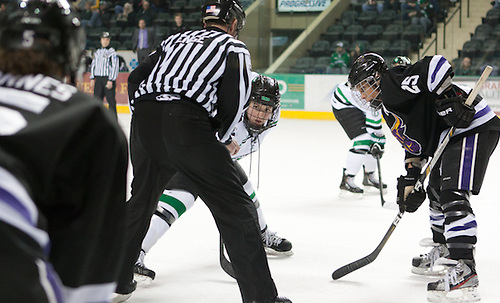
(188,97)
(103,72)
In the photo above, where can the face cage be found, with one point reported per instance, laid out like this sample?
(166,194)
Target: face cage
(257,130)
(362,87)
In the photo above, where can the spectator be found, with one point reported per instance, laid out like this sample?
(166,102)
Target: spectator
(95,18)
(127,17)
(357,51)
(339,61)
(373,5)
(394,5)
(179,24)
(413,12)
(143,41)
(146,13)
(496,4)
(86,13)
(465,68)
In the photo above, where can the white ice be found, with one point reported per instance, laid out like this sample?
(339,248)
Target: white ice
(300,170)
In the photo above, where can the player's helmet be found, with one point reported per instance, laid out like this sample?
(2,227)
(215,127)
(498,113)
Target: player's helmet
(365,75)
(265,91)
(47,26)
(401,60)
(224,10)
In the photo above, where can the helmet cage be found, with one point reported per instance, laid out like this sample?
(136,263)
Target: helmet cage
(265,91)
(368,88)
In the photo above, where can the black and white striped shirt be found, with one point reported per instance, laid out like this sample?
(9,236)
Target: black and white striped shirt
(105,64)
(208,66)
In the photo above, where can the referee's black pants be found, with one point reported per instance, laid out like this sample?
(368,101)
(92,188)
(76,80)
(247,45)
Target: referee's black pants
(101,91)
(176,136)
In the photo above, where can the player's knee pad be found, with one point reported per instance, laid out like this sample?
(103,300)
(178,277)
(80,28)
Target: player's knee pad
(460,221)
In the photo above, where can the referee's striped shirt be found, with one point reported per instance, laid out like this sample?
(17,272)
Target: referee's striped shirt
(105,64)
(208,66)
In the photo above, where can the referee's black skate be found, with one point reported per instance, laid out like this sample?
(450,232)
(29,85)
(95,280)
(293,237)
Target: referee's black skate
(349,189)
(275,300)
(122,295)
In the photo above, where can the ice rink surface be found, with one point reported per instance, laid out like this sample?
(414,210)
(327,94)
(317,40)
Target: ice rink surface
(300,170)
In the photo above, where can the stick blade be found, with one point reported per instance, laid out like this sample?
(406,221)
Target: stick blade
(353,266)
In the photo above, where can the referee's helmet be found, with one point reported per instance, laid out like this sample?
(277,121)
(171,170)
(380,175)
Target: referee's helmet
(224,10)
(47,26)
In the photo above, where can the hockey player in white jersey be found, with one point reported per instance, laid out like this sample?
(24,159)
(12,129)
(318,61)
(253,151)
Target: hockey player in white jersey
(363,126)
(261,115)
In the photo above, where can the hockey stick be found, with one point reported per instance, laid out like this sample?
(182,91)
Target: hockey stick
(347,269)
(381,185)
(224,262)
(442,146)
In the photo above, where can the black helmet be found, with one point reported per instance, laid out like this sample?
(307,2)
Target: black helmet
(265,91)
(47,26)
(224,10)
(367,69)
(401,60)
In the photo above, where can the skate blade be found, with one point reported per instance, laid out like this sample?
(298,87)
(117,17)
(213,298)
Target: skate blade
(345,194)
(373,190)
(117,298)
(142,281)
(273,253)
(435,271)
(463,295)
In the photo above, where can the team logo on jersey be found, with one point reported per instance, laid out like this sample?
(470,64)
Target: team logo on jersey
(398,130)
(410,84)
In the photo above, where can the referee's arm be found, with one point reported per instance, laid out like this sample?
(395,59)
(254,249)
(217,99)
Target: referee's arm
(233,93)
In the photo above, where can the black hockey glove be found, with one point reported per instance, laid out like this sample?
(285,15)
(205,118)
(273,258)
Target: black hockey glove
(407,200)
(377,150)
(377,145)
(455,112)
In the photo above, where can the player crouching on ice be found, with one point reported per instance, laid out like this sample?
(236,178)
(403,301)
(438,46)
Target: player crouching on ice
(261,115)
(420,103)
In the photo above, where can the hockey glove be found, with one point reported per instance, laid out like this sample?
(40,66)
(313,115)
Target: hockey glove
(377,150)
(455,112)
(377,145)
(407,200)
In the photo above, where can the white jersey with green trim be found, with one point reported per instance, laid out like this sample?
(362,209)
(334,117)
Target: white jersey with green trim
(249,143)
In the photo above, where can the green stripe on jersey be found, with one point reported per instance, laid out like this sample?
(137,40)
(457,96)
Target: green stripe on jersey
(343,96)
(176,204)
(379,121)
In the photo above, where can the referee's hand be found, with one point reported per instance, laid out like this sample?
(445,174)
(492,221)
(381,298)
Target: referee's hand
(109,85)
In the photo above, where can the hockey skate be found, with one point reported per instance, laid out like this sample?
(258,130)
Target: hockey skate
(275,245)
(459,284)
(425,263)
(370,181)
(275,300)
(143,275)
(123,295)
(348,189)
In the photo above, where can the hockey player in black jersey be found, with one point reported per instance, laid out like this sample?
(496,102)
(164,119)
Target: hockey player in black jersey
(420,103)
(187,97)
(63,162)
